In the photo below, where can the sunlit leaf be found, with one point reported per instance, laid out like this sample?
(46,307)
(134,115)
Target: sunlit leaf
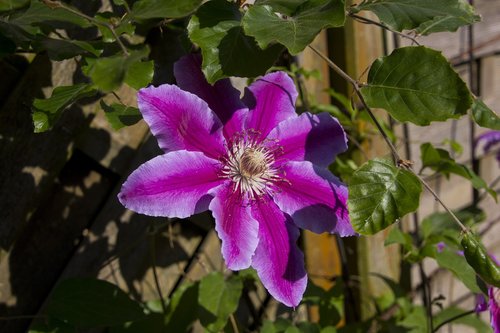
(480,261)
(440,161)
(425,16)
(416,84)
(218,299)
(146,9)
(47,111)
(216,29)
(380,194)
(88,303)
(140,74)
(120,115)
(295,31)
(484,116)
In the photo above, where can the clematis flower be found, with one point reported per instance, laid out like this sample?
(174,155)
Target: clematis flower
(493,305)
(491,140)
(260,168)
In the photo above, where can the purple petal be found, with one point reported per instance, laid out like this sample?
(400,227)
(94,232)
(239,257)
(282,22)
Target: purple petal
(278,260)
(494,295)
(181,120)
(314,198)
(222,97)
(271,100)
(235,226)
(174,185)
(236,124)
(481,303)
(315,138)
(490,139)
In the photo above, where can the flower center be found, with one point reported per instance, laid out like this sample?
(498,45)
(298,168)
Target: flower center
(249,164)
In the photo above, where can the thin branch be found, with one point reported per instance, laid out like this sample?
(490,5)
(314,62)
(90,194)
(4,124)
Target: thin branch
(449,320)
(233,323)
(21,317)
(400,163)
(383,26)
(58,4)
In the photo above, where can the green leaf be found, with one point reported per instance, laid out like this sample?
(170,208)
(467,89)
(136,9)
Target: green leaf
(425,16)
(416,84)
(216,29)
(218,299)
(457,264)
(120,27)
(380,194)
(182,310)
(151,323)
(480,261)
(484,116)
(440,161)
(295,31)
(471,320)
(39,14)
(7,5)
(286,7)
(89,303)
(59,49)
(120,115)
(396,236)
(442,224)
(146,9)
(140,74)
(47,111)
(7,46)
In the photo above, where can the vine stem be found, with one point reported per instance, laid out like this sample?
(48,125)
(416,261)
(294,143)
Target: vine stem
(58,4)
(383,26)
(155,273)
(453,319)
(399,162)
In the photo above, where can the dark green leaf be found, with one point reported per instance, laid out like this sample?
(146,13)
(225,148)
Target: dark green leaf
(380,194)
(88,303)
(287,7)
(484,116)
(396,236)
(59,49)
(218,299)
(140,74)
(457,264)
(7,5)
(216,29)
(416,84)
(146,9)
(425,16)
(481,262)
(151,323)
(440,161)
(40,14)
(471,320)
(182,310)
(296,31)
(51,325)
(120,115)
(7,46)
(443,224)
(47,111)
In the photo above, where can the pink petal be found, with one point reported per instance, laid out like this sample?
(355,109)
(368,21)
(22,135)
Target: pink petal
(221,97)
(174,185)
(235,226)
(278,260)
(315,138)
(181,120)
(314,198)
(271,100)
(494,303)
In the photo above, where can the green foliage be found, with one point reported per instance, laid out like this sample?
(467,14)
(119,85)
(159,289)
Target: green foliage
(380,194)
(470,320)
(120,115)
(147,9)
(47,111)
(484,116)
(479,260)
(120,27)
(440,161)
(7,5)
(218,298)
(416,84)
(296,30)
(89,303)
(216,28)
(424,16)
(330,302)
(182,310)
(139,74)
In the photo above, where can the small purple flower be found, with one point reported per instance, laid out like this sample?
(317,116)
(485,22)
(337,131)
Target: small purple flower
(494,305)
(491,141)
(255,164)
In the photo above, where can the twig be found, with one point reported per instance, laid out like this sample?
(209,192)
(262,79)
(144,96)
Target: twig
(357,85)
(453,319)
(233,323)
(20,317)
(58,4)
(383,26)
